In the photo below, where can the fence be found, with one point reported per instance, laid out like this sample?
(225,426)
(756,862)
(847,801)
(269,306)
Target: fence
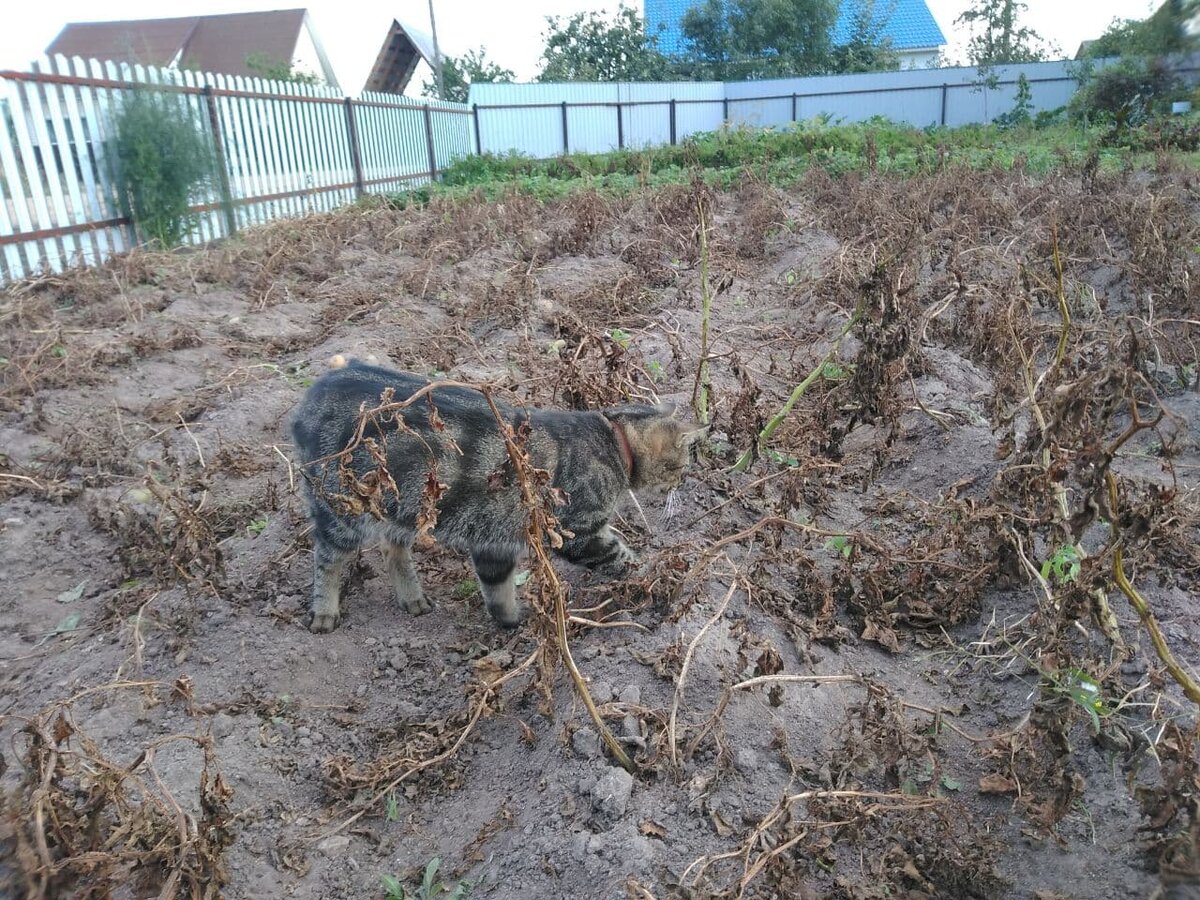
(543,120)
(284,150)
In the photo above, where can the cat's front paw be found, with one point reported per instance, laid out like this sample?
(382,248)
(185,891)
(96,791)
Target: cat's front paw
(416,604)
(323,623)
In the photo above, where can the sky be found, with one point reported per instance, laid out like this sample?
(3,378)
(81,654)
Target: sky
(352,31)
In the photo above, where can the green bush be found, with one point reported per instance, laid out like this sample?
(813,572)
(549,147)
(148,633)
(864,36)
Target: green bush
(1129,93)
(162,157)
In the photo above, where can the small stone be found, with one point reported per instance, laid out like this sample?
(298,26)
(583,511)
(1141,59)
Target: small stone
(394,642)
(285,729)
(331,656)
(317,737)
(306,743)
(223,725)
(303,731)
(632,695)
(360,691)
(602,692)
(586,743)
(332,846)
(745,760)
(407,710)
(631,727)
(370,642)
(612,792)
(398,661)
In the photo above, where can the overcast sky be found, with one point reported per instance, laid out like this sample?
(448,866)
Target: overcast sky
(511,30)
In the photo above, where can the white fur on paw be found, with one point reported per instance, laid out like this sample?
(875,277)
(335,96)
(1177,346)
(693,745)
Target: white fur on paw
(416,605)
(323,623)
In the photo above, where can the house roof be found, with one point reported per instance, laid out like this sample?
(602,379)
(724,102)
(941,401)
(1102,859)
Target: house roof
(909,23)
(402,49)
(208,43)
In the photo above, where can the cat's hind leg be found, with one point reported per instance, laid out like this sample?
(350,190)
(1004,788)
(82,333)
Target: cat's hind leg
(497,582)
(403,576)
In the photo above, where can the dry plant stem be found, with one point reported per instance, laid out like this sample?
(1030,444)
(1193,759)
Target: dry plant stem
(782,810)
(1184,679)
(537,549)
(480,706)
(701,392)
(755,682)
(1101,609)
(745,459)
(707,557)
(683,671)
(1063,310)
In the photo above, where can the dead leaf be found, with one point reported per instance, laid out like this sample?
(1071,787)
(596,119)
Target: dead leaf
(652,829)
(724,829)
(882,635)
(997,784)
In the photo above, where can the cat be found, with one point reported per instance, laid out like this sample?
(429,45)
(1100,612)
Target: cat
(593,458)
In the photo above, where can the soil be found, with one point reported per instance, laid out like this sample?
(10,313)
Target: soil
(156,567)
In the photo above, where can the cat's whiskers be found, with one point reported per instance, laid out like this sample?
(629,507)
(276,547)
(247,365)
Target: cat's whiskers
(641,512)
(670,507)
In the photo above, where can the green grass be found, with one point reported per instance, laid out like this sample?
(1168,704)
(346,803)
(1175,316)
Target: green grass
(783,156)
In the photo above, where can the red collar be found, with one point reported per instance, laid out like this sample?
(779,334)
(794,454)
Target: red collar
(623,445)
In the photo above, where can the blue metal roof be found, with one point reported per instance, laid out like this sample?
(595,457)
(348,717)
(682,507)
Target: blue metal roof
(910,25)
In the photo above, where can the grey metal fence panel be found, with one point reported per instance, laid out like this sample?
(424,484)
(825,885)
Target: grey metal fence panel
(527,118)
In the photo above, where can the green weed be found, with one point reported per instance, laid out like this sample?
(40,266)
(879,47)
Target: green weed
(430,889)
(163,157)
(1065,565)
(840,544)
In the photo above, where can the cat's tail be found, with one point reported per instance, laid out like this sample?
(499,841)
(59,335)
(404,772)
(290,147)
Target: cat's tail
(340,361)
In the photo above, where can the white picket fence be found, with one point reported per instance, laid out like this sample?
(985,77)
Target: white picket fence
(286,150)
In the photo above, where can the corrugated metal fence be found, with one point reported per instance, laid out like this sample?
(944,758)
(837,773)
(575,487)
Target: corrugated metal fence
(543,120)
(285,150)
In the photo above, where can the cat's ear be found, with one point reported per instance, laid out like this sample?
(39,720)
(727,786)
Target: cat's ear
(689,436)
(666,408)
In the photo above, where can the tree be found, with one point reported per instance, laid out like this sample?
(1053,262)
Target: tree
(760,38)
(706,34)
(591,47)
(458,74)
(1163,33)
(264,66)
(868,49)
(1000,38)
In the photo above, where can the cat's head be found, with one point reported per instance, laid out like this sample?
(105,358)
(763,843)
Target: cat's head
(661,444)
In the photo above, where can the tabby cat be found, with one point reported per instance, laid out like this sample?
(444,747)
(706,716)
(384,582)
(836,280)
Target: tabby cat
(594,458)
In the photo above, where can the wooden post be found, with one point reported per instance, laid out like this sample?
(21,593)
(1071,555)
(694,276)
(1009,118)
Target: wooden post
(725,110)
(566,145)
(433,169)
(794,107)
(214,122)
(945,92)
(355,155)
(673,133)
(478,138)
(620,129)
